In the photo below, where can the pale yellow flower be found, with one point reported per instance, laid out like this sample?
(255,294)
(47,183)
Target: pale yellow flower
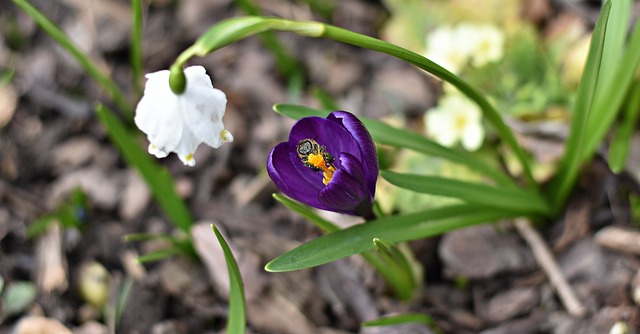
(468,43)
(444,49)
(455,119)
(487,43)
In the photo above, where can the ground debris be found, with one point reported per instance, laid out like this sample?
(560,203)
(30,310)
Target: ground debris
(482,251)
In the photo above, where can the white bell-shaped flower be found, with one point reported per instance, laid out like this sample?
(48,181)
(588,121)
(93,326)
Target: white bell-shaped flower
(179,123)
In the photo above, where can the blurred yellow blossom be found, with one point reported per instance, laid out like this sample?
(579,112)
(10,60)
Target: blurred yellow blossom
(445,49)
(468,43)
(455,119)
(487,43)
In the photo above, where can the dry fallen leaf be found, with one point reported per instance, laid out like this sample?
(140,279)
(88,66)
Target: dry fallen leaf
(8,103)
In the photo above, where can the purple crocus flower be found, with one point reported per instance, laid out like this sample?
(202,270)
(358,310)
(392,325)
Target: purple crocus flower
(328,163)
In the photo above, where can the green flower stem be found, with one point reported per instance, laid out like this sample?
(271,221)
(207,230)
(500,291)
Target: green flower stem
(87,64)
(235,29)
(136,45)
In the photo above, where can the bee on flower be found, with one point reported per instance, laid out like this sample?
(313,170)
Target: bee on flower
(328,163)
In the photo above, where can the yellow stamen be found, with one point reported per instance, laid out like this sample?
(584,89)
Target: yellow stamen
(317,160)
(461,122)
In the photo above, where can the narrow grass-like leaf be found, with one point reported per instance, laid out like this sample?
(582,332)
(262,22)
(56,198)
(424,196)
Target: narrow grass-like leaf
(157,178)
(397,262)
(392,277)
(306,212)
(619,147)
(297,112)
(475,193)
(122,296)
(357,239)
(389,135)
(138,237)
(136,45)
(176,244)
(237,321)
(608,106)
(326,100)
(613,48)
(401,319)
(570,164)
(82,58)
(158,255)
(40,225)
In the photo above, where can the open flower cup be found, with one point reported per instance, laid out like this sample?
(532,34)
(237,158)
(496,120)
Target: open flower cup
(181,122)
(328,163)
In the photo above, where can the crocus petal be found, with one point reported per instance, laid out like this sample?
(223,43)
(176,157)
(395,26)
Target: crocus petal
(347,192)
(332,135)
(299,183)
(343,195)
(350,177)
(367,146)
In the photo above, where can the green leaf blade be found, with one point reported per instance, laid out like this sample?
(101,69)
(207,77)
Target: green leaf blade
(357,239)
(401,319)
(575,149)
(158,179)
(306,212)
(393,278)
(136,45)
(397,262)
(621,141)
(484,195)
(610,101)
(237,322)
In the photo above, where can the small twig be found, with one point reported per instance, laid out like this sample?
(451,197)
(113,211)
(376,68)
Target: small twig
(545,259)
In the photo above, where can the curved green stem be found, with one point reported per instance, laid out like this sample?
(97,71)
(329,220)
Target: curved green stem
(136,46)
